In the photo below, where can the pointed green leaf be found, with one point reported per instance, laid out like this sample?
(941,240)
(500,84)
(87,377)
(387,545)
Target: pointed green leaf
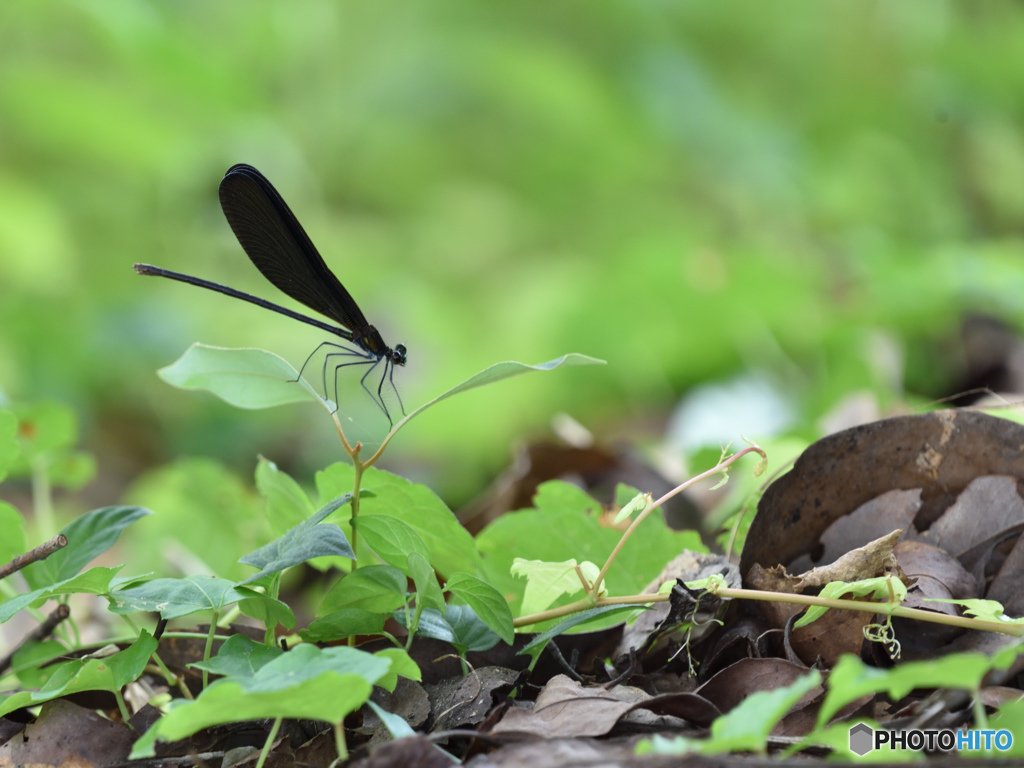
(174,598)
(244,378)
(635,504)
(458,625)
(746,726)
(538,643)
(306,540)
(376,588)
(107,674)
(401,665)
(428,591)
(499,372)
(268,610)
(392,540)
(396,726)
(95,581)
(344,623)
(487,602)
(89,536)
(239,656)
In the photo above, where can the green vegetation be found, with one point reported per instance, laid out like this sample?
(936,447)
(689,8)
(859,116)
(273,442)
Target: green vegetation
(819,194)
(682,190)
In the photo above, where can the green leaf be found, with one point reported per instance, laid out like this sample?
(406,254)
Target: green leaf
(244,378)
(401,665)
(391,539)
(174,598)
(636,504)
(450,545)
(305,683)
(987,610)
(107,674)
(567,524)
(12,542)
(287,504)
(1010,717)
(546,582)
(470,631)
(95,581)
(129,664)
(344,623)
(459,625)
(499,372)
(89,536)
(538,643)
(306,540)
(376,588)
(239,656)
(487,603)
(396,726)
(879,588)
(746,726)
(850,678)
(9,449)
(428,591)
(268,610)
(31,658)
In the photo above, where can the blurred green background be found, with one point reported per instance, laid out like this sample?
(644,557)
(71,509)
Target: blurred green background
(687,190)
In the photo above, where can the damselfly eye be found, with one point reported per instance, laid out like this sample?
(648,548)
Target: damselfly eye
(398,354)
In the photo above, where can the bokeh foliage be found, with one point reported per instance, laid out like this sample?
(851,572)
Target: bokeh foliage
(683,189)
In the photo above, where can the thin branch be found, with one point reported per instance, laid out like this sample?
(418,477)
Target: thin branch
(43,631)
(41,552)
(886,608)
(653,506)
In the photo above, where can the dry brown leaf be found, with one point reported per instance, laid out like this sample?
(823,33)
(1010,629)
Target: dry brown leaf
(68,735)
(873,559)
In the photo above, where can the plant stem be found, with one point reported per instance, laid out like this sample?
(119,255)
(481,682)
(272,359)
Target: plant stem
(357,480)
(888,609)
(209,645)
(273,591)
(980,716)
(339,742)
(654,505)
(341,433)
(122,707)
(171,678)
(265,752)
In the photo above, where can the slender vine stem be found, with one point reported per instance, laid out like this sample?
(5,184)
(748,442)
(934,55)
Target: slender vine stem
(654,505)
(887,608)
